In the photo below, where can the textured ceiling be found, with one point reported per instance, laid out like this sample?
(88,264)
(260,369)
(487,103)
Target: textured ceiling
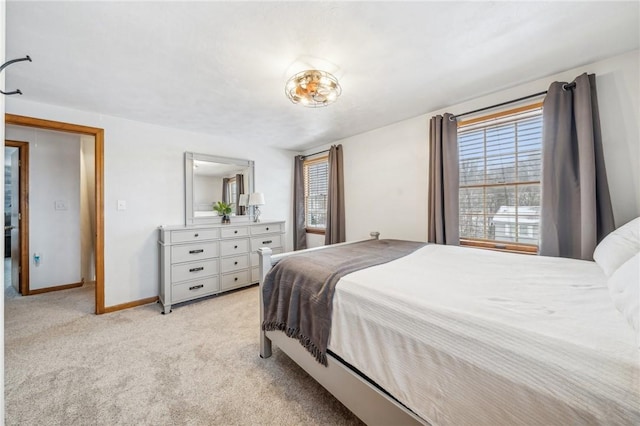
(220,67)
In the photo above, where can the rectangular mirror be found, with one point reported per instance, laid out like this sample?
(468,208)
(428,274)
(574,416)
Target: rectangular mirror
(209,179)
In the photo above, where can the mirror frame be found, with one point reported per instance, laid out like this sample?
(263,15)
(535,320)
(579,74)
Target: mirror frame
(189,158)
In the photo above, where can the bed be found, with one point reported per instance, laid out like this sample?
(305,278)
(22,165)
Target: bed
(458,336)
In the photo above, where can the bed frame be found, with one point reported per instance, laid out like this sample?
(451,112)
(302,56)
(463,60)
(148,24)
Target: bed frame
(370,404)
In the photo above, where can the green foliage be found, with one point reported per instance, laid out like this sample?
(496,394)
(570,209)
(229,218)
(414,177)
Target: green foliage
(223,208)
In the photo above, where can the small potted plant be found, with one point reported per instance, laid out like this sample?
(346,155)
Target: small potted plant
(224,210)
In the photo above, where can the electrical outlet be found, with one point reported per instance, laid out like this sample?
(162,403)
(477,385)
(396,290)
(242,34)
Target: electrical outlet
(60,205)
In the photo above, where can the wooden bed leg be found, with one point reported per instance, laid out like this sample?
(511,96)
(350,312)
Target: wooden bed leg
(264,254)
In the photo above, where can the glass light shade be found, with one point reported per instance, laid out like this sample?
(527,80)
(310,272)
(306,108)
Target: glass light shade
(313,88)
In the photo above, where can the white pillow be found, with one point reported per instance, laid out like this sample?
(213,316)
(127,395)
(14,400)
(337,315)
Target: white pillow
(618,247)
(624,288)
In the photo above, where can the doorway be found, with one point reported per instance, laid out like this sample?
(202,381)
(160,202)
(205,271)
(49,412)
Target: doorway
(98,203)
(16,217)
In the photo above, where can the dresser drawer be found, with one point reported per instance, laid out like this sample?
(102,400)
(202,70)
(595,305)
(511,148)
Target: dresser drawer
(197,288)
(231,247)
(266,241)
(193,235)
(235,231)
(191,252)
(255,259)
(228,264)
(267,228)
(235,279)
(200,260)
(193,270)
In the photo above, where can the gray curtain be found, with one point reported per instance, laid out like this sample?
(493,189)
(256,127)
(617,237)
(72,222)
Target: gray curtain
(225,190)
(299,232)
(576,210)
(335,231)
(240,210)
(443,225)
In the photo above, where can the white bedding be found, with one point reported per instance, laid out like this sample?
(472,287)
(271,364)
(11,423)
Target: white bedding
(473,337)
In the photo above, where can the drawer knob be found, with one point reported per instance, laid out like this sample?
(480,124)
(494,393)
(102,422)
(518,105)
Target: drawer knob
(235,279)
(235,263)
(235,232)
(195,287)
(267,242)
(198,269)
(235,247)
(196,251)
(267,228)
(196,235)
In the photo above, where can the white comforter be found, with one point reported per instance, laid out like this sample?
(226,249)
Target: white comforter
(473,337)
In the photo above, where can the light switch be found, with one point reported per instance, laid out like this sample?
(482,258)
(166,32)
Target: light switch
(122,205)
(60,205)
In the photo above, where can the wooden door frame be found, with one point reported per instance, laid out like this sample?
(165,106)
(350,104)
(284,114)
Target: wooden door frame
(23,230)
(98,134)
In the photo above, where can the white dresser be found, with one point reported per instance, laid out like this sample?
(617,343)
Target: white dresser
(198,261)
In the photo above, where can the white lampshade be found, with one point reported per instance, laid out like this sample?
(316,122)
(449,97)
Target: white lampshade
(256,199)
(244,200)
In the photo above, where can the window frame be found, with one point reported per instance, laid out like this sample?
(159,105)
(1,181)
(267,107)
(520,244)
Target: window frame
(305,164)
(513,247)
(232,189)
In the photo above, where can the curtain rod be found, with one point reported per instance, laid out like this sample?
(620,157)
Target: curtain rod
(564,87)
(315,153)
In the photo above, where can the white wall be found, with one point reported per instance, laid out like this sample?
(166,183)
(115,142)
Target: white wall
(144,165)
(386,169)
(385,180)
(54,176)
(207,190)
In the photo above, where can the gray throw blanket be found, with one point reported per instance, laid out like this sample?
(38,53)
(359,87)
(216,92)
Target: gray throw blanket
(298,290)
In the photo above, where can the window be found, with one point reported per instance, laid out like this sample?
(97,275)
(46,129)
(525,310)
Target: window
(500,161)
(233,190)
(316,178)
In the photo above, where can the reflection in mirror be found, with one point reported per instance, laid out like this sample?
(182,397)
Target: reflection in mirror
(210,179)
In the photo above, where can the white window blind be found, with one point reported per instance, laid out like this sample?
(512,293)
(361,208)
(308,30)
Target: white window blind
(316,175)
(500,163)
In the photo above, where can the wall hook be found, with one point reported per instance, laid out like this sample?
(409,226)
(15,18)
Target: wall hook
(6,64)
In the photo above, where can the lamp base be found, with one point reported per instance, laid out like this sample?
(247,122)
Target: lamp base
(256,214)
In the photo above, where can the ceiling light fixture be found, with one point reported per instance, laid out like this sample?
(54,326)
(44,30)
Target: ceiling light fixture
(313,88)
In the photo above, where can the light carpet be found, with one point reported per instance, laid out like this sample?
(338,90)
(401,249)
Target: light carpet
(198,365)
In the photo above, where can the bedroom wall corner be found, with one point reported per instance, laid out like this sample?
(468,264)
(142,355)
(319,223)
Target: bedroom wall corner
(385,182)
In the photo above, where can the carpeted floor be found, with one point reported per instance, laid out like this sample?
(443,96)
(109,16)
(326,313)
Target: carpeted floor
(196,366)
